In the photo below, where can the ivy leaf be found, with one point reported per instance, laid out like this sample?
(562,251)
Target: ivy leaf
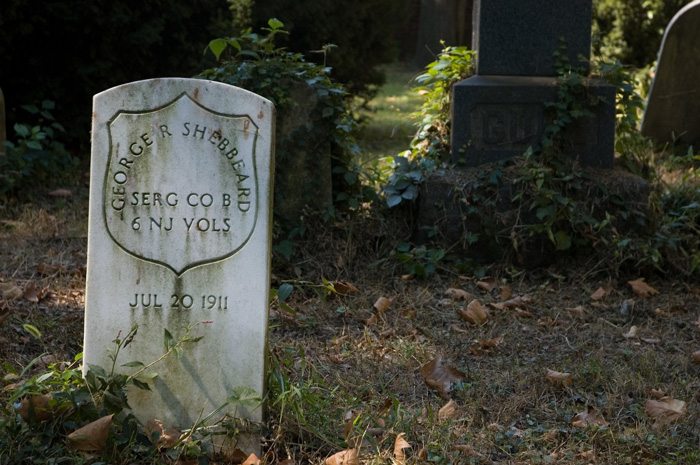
(275,23)
(562,239)
(217,46)
(244,397)
(168,340)
(284,291)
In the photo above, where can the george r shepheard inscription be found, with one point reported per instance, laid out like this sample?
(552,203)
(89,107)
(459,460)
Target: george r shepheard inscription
(181,187)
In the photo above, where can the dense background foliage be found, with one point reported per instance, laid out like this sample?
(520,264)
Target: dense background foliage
(67,51)
(363,31)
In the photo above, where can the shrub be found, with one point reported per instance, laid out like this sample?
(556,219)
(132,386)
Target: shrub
(70,50)
(253,62)
(36,157)
(363,31)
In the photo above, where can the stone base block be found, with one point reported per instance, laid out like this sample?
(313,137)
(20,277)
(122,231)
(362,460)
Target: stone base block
(499,117)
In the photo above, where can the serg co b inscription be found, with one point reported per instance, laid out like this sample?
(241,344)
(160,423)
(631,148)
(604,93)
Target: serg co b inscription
(181,185)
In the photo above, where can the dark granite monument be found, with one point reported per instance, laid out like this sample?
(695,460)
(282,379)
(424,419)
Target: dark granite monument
(500,112)
(673,109)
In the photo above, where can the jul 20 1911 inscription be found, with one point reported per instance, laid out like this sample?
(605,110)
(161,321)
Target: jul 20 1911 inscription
(181,187)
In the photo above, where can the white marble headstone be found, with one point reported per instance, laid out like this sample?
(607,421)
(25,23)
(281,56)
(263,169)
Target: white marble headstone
(180,229)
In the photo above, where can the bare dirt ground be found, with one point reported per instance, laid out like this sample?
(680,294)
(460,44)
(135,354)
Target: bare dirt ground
(349,368)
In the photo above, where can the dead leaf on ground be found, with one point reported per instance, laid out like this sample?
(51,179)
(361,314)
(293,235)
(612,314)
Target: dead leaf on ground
(665,411)
(455,328)
(449,410)
(382,304)
(487,284)
(161,438)
(440,377)
(661,313)
(343,287)
(61,193)
(474,313)
(523,313)
(484,346)
(515,302)
(578,310)
(409,313)
(467,450)
(559,379)
(91,437)
(695,357)
(10,291)
(252,459)
(458,294)
(46,269)
(33,293)
(631,333)
(399,445)
(505,293)
(344,457)
(641,288)
(587,417)
(602,293)
(41,406)
(656,393)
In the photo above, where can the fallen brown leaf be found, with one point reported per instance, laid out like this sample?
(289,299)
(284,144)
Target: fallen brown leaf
(10,291)
(61,193)
(485,345)
(578,310)
(38,405)
(440,377)
(382,304)
(602,292)
(661,313)
(399,445)
(449,410)
(587,417)
(161,438)
(505,292)
(641,288)
(474,313)
(656,393)
(33,293)
(559,379)
(487,284)
(252,459)
(458,294)
(695,357)
(344,457)
(631,333)
(467,450)
(515,302)
(523,313)
(664,411)
(91,437)
(343,287)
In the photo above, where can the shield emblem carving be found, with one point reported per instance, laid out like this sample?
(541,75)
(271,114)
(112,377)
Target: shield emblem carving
(181,187)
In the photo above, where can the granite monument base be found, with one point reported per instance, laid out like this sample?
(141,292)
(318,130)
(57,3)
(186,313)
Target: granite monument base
(499,117)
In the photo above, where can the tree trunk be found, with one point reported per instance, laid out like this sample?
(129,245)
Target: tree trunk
(442,20)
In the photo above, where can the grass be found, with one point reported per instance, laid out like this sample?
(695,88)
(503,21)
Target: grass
(388,127)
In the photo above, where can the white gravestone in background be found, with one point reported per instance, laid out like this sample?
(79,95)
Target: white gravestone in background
(180,229)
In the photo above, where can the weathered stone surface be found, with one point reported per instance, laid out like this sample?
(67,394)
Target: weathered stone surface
(465,203)
(673,109)
(499,117)
(519,37)
(180,221)
(304,174)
